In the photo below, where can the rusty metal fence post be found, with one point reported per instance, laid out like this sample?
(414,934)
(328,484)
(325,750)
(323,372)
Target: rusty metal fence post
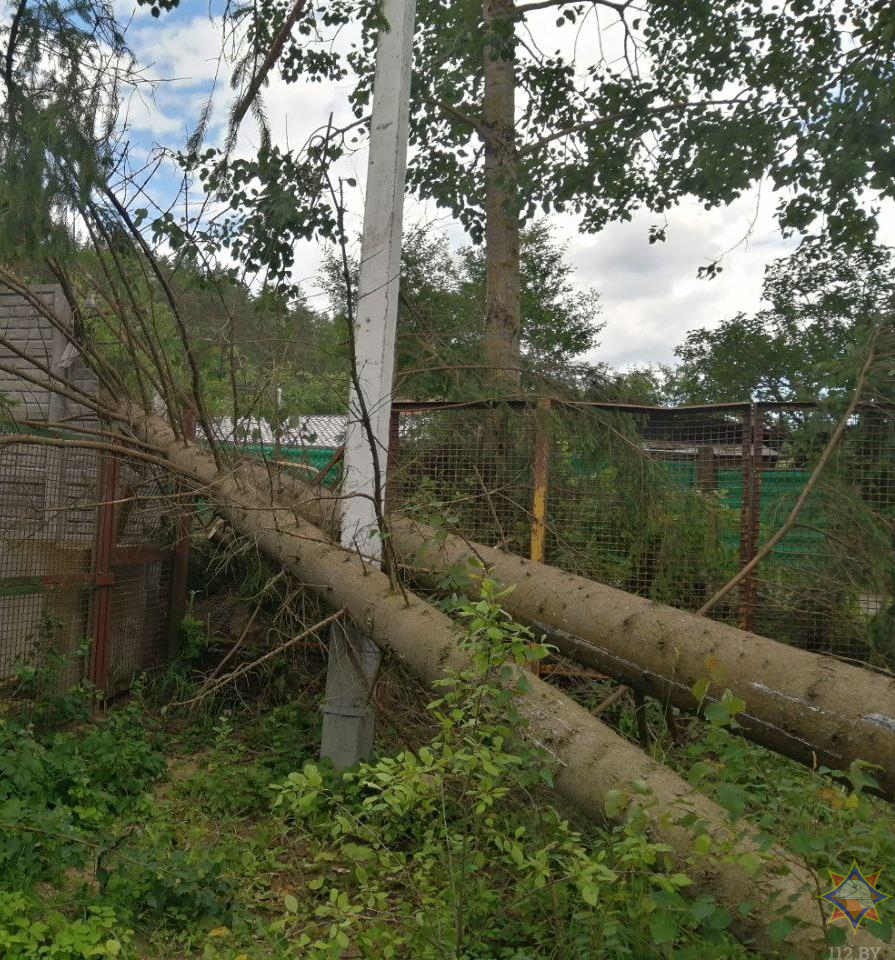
(104,577)
(752,447)
(540,481)
(394,453)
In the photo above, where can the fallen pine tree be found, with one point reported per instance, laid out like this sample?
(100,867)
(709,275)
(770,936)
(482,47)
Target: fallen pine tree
(593,764)
(807,706)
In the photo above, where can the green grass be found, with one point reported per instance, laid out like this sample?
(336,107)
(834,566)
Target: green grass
(221,837)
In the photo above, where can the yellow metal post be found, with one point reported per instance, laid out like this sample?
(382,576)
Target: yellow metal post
(540,481)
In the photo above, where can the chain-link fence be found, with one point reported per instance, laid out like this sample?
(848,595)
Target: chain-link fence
(92,564)
(671,503)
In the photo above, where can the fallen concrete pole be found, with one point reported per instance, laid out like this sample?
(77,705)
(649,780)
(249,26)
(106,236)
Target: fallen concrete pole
(807,706)
(590,759)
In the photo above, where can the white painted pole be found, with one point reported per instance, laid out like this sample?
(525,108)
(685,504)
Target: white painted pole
(353,658)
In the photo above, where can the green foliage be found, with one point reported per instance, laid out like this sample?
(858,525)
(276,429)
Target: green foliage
(85,857)
(253,850)
(236,778)
(29,932)
(825,818)
(163,881)
(734,93)
(59,787)
(66,67)
(451,849)
(440,329)
(194,641)
(259,353)
(282,357)
(656,534)
(43,685)
(822,302)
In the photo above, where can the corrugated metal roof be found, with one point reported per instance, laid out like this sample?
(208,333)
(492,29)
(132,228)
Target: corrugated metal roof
(686,448)
(315,430)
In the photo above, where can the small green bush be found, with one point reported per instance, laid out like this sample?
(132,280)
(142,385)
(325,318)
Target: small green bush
(28,931)
(453,850)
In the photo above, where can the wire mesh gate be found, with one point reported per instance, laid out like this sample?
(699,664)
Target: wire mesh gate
(670,503)
(93,564)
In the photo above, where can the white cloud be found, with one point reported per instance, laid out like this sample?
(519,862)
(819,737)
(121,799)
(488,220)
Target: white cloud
(180,51)
(129,11)
(650,293)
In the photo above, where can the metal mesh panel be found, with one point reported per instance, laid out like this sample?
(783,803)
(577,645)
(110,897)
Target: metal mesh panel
(474,466)
(138,635)
(44,625)
(48,510)
(148,506)
(86,544)
(827,585)
(647,501)
(670,504)
(85,537)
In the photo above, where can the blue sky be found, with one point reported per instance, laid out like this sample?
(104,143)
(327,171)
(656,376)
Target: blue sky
(650,293)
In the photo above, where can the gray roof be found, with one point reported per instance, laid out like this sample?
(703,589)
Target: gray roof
(314,430)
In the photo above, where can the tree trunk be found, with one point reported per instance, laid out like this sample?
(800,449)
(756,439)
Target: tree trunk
(807,706)
(502,284)
(591,760)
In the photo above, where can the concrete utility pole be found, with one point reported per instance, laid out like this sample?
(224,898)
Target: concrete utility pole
(353,657)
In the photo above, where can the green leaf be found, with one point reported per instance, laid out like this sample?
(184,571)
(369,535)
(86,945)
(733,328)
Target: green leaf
(778,930)
(702,908)
(734,704)
(700,689)
(614,803)
(291,903)
(680,880)
(750,862)
(859,777)
(720,919)
(732,798)
(716,713)
(702,844)
(589,893)
(663,927)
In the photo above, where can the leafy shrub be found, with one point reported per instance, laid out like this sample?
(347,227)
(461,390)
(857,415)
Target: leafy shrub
(161,880)
(57,788)
(30,932)
(827,821)
(51,700)
(452,850)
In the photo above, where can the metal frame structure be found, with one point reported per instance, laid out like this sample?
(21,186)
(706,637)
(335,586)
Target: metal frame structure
(92,550)
(573,484)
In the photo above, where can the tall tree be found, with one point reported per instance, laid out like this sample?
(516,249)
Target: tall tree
(821,303)
(441,334)
(640,106)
